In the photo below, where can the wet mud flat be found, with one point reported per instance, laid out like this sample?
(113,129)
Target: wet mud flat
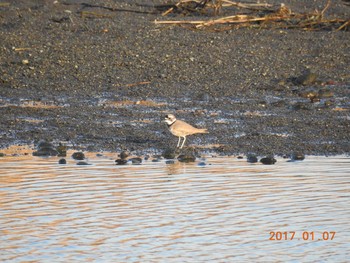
(98,75)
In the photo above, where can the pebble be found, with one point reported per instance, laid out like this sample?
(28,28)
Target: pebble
(268,160)
(186,158)
(62,161)
(251,158)
(297,156)
(61,150)
(202,164)
(136,160)
(78,156)
(45,149)
(121,161)
(124,155)
(82,163)
(169,153)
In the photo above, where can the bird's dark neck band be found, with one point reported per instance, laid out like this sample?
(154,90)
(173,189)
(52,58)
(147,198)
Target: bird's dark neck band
(169,125)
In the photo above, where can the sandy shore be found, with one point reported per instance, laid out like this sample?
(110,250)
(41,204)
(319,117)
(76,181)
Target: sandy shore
(101,75)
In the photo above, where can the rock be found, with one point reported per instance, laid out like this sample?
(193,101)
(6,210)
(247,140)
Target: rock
(82,163)
(169,153)
(62,161)
(251,158)
(297,156)
(124,155)
(202,164)
(169,162)
(268,160)
(62,150)
(186,158)
(45,149)
(121,161)
(78,156)
(136,160)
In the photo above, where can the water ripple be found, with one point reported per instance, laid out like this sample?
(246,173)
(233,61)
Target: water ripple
(155,212)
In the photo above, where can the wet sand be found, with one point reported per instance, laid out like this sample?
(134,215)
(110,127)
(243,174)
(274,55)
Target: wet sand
(105,82)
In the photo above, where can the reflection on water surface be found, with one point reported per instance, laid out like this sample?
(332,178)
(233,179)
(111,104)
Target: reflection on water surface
(225,211)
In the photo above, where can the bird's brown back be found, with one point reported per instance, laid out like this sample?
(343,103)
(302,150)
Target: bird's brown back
(181,128)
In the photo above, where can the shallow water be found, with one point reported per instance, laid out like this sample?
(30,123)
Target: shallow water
(224,211)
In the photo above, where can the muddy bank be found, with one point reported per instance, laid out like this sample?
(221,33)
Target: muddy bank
(105,80)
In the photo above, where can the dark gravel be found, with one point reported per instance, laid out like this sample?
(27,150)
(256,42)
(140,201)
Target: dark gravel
(105,82)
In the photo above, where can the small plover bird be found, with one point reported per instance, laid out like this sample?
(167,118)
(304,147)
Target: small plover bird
(181,129)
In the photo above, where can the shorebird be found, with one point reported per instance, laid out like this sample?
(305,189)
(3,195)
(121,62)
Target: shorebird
(181,129)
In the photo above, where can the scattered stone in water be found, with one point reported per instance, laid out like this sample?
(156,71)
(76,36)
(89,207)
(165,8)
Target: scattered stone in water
(124,155)
(156,160)
(45,149)
(78,156)
(169,162)
(99,155)
(297,156)
(202,164)
(62,150)
(62,161)
(240,157)
(268,160)
(121,161)
(169,153)
(251,158)
(136,160)
(147,157)
(186,158)
(82,163)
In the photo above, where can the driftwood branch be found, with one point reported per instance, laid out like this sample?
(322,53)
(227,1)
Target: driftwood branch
(280,17)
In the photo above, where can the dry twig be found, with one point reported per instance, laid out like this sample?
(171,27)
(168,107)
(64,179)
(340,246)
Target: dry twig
(281,17)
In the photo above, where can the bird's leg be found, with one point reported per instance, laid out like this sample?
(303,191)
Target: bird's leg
(183,142)
(178,143)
